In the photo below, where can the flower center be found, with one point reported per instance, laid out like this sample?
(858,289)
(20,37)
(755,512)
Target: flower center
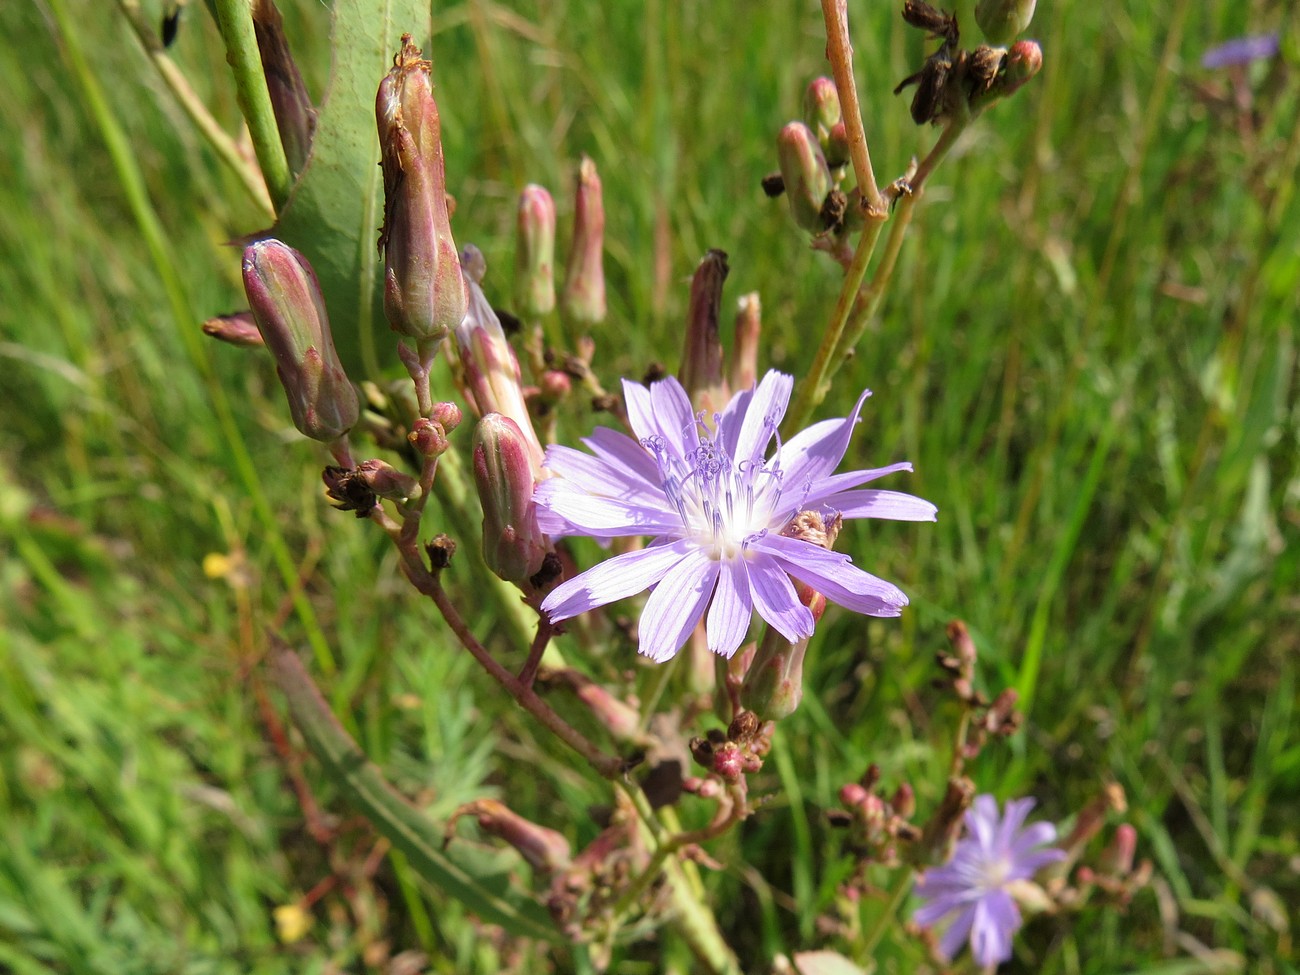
(723,503)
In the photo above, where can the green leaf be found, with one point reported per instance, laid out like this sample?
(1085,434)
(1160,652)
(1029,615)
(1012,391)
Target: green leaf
(460,871)
(336,207)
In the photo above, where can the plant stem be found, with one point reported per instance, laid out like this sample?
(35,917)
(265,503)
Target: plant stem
(902,884)
(236,23)
(839,49)
(428,583)
(198,113)
(813,387)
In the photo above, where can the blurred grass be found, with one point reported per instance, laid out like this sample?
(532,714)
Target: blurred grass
(1089,354)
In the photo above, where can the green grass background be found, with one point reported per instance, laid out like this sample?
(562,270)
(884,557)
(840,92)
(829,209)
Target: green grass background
(1088,353)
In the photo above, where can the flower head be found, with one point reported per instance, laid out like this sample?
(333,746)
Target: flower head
(973,884)
(721,513)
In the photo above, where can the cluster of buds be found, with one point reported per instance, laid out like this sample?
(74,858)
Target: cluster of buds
(591,884)
(507,452)
(998,718)
(877,823)
(812,155)
(1115,874)
(289,310)
(424,292)
(954,84)
(730,755)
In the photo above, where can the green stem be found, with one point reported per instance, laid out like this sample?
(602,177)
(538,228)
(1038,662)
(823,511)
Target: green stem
(897,893)
(198,113)
(236,22)
(125,163)
(813,387)
(417,837)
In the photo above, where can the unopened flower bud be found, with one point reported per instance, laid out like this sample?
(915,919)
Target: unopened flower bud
(836,146)
(583,300)
(806,176)
(903,802)
(290,313)
(822,107)
(544,849)
(424,292)
(387,481)
(996,73)
(1003,20)
(489,372)
(237,328)
(428,437)
(295,115)
(728,762)
(447,415)
(1117,858)
(742,370)
(773,685)
(620,719)
(701,370)
(853,794)
(535,252)
(513,546)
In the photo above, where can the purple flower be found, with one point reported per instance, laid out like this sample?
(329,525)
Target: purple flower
(1240,50)
(973,884)
(717,507)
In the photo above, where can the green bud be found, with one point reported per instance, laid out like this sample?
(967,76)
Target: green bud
(513,546)
(1004,20)
(821,109)
(535,252)
(295,115)
(806,176)
(583,300)
(424,293)
(290,313)
(701,370)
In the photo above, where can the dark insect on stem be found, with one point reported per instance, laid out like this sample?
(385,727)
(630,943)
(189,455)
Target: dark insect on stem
(938,22)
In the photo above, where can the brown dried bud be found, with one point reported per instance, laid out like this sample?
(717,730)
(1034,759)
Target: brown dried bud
(701,369)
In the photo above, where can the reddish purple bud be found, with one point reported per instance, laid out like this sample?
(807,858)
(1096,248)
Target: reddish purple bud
(806,175)
(544,849)
(1117,858)
(387,481)
(428,437)
(424,293)
(583,300)
(295,115)
(290,313)
(238,328)
(728,762)
(447,415)
(853,794)
(513,546)
(535,253)
(701,370)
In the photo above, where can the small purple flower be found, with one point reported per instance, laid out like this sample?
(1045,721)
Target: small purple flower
(973,884)
(716,506)
(1240,50)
